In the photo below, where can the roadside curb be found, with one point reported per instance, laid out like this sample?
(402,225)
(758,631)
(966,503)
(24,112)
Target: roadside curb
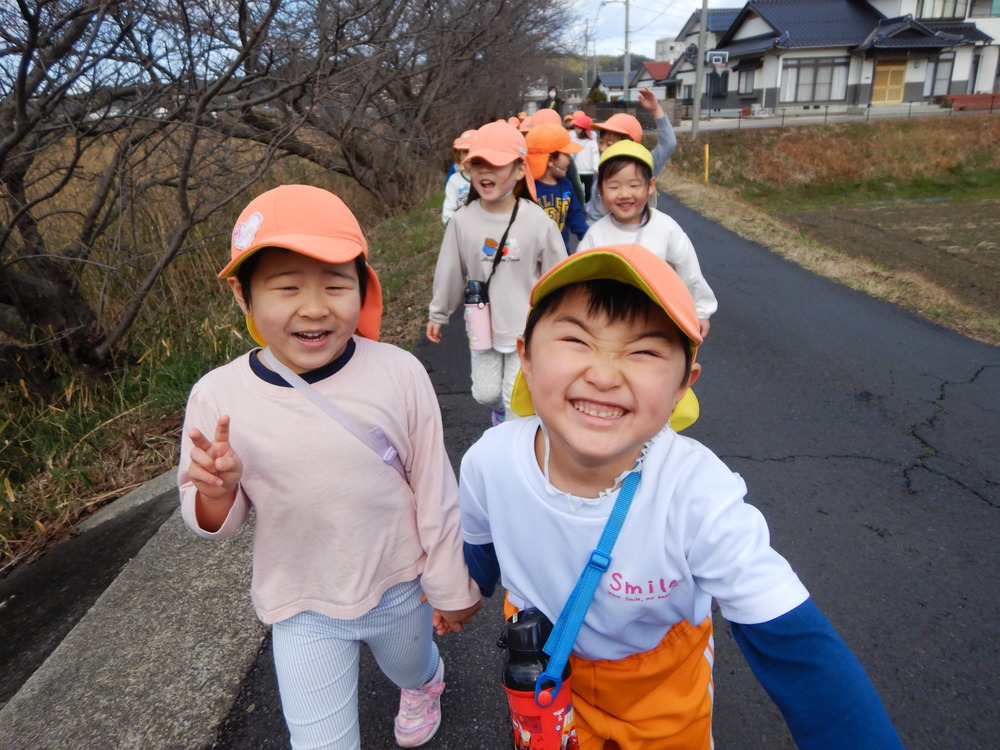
(158,660)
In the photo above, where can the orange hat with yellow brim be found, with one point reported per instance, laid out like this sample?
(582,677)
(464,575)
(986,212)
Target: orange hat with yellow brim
(636,266)
(310,221)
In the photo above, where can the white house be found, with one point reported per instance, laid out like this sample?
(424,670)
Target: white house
(849,54)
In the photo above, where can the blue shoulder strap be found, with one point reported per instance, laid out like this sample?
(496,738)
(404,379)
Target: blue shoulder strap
(567,627)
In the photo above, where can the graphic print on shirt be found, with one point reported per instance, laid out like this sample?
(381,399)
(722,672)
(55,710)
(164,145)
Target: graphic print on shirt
(511,250)
(556,206)
(640,590)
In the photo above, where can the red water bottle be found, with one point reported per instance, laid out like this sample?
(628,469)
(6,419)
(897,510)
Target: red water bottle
(536,727)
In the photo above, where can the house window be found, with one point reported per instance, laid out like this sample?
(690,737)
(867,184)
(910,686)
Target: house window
(745,82)
(985,8)
(814,79)
(937,79)
(941,8)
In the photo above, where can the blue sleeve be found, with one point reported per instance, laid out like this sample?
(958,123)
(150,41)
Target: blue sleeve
(576,219)
(822,690)
(484,567)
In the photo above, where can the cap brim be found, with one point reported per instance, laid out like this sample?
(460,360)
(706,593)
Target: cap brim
(369,320)
(326,249)
(684,414)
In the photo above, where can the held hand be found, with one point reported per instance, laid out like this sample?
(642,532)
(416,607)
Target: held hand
(703,326)
(455,619)
(215,468)
(452,621)
(649,102)
(433,332)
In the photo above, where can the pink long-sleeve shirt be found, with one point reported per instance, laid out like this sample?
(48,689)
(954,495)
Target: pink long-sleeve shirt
(335,526)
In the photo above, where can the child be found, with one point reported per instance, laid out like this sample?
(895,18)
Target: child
(626,127)
(456,190)
(549,150)
(586,159)
(608,329)
(626,182)
(500,203)
(549,116)
(345,548)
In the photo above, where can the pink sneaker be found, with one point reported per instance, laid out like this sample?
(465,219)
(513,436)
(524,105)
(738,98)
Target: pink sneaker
(420,711)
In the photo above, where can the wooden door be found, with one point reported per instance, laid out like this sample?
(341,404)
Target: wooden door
(890,79)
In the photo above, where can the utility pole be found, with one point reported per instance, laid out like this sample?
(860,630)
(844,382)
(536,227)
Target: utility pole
(699,75)
(628,57)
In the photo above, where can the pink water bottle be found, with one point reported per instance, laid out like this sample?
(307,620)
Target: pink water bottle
(477,316)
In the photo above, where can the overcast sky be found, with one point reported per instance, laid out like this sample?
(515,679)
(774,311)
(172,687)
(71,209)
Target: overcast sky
(649,20)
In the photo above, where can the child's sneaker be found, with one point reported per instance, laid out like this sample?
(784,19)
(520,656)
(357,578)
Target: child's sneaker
(498,416)
(420,711)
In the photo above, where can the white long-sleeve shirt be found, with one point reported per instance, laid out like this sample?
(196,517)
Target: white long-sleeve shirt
(664,237)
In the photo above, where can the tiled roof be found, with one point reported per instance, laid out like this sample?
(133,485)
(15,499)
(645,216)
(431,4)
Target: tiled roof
(720,19)
(968,32)
(906,33)
(816,23)
(613,80)
(658,70)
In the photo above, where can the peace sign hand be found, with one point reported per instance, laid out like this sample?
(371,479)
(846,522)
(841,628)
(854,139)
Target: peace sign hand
(215,468)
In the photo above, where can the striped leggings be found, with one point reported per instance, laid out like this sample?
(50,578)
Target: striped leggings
(316,658)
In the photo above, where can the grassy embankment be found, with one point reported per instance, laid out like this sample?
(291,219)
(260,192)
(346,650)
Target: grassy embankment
(78,442)
(757,173)
(71,447)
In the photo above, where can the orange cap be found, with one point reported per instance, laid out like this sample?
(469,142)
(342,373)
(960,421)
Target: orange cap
(622,124)
(547,115)
(544,140)
(500,144)
(526,124)
(581,120)
(310,221)
(462,142)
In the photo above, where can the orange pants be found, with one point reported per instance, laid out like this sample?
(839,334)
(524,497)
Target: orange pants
(657,700)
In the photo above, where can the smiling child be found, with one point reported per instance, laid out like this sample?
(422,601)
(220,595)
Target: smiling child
(626,184)
(609,350)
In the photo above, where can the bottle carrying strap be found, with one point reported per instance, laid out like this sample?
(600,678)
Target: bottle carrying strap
(498,255)
(374,438)
(560,641)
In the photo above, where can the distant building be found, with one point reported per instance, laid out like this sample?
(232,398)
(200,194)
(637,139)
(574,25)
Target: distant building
(843,54)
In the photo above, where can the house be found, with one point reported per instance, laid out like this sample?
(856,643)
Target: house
(650,75)
(612,84)
(847,54)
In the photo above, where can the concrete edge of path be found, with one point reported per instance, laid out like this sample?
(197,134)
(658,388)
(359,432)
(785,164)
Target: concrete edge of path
(158,660)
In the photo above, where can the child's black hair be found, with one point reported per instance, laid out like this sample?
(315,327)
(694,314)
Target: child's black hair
(615,300)
(616,164)
(246,270)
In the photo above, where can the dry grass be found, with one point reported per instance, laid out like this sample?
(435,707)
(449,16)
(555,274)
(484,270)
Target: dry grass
(83,440)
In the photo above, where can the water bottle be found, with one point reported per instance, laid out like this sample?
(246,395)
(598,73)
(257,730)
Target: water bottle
(477,316)
(535,727)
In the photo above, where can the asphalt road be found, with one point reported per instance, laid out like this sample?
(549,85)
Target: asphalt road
(869,438)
